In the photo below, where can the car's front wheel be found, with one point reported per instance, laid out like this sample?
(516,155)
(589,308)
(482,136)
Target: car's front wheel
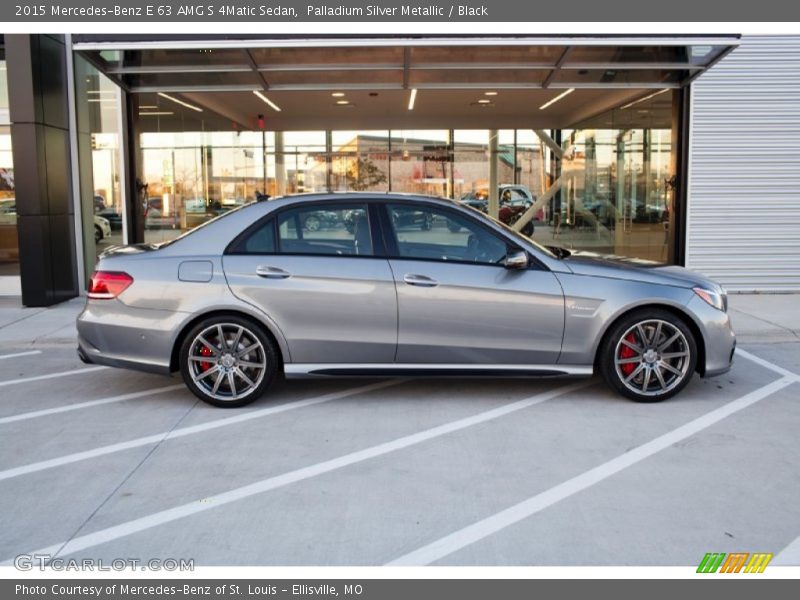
(649,355)
(98,234)
(228,361)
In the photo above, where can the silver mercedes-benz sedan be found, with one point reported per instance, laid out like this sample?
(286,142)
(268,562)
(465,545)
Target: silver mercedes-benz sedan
(393,285)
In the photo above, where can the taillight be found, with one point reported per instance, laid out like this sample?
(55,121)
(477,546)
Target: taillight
(108,284)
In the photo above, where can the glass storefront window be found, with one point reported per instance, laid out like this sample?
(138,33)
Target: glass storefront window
(194,176)
(9,242)
(301,163)
(471,162)
(102,203)
(532,164)
(422,162)
(615,196)
(360,161)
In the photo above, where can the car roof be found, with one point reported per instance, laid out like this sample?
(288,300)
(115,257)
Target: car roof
(360,196)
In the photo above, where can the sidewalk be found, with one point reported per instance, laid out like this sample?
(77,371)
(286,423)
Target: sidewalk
(757,318)
(20,326)
(765,318)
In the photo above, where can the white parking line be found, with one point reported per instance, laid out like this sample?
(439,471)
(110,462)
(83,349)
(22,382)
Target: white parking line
(50,376)
(490,525)
(15,355)
(767,365)
(191,508)
(69,407)
(191,430)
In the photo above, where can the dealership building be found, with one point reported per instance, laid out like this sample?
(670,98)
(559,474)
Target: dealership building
(675,149)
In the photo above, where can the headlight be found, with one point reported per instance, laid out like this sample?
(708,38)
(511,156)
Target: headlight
(718,300)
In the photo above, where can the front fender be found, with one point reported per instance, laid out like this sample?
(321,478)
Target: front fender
(592,304)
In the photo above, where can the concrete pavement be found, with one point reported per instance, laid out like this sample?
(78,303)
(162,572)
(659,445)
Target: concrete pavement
(110,464)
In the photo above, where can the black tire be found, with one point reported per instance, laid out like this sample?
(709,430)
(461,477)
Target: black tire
(252,332)
(644,377)
(98,234)
(528,229)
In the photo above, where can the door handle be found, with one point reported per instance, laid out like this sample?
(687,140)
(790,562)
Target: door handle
(420,280)
(272,272)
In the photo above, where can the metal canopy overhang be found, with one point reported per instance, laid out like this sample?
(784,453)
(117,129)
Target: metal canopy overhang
(437,62)
(223,74)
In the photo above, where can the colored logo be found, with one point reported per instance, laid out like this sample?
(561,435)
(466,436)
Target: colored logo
(736,562)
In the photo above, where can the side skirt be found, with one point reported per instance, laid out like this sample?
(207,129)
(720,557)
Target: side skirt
(300,370)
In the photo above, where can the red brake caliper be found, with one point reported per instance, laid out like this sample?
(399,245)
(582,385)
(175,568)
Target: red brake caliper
(206,351)
(627,352)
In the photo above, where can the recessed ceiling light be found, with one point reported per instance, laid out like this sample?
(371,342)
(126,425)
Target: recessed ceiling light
(338,94)
(557,98)
(271,104)
(490,93)
(342,102)
(635,102)
(156,113)
(484,101)
(412,99)
(181,102)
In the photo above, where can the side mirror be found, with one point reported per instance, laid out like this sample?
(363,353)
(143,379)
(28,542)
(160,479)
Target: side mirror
(516,259)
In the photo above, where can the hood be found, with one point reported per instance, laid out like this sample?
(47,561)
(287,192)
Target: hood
(635,269)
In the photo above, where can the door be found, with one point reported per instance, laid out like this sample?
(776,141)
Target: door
(312,269)
(457,303)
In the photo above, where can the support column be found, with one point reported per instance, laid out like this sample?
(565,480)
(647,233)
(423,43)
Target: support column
(40,138)
(280,167)
(679,182)
(329,160)
(494,200)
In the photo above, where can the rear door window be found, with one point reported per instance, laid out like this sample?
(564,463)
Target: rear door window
(330,229)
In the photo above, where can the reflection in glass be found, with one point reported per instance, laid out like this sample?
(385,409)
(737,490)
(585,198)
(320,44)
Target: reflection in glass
(98,102)
(615,197)
(360,161)
(616,194)
(9,242)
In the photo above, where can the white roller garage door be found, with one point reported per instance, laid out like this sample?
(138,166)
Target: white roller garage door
(744,172)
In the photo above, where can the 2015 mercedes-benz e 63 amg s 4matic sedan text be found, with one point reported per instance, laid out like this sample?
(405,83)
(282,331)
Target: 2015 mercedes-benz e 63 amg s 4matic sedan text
(369,291)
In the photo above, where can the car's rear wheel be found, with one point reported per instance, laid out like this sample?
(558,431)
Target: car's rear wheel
(228,361)
(98,234)
(649,355)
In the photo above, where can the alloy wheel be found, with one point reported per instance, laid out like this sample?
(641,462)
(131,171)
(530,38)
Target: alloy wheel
(313,223)
(227,361)
(652,357)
